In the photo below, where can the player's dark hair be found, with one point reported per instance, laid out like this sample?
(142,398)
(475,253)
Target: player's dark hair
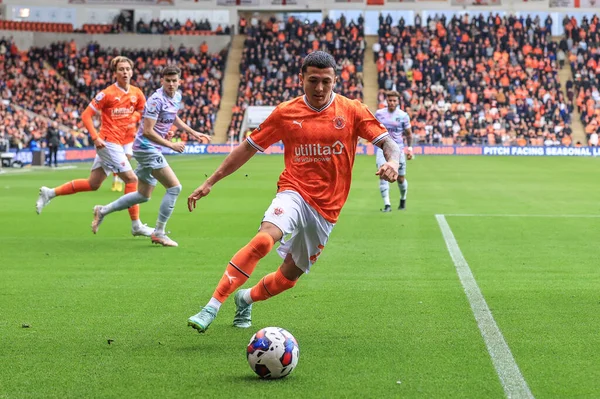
(318,59)
(171,70)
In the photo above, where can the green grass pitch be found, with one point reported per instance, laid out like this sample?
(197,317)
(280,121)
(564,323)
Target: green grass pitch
(382,314)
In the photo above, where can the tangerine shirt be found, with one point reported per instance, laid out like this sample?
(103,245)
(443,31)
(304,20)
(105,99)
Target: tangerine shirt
(319,147)
(117,107)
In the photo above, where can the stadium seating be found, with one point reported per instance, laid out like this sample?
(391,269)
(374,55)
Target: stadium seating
(273,54)
(476,81)
(582,43)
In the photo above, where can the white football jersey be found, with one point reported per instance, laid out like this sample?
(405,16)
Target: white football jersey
(395,122)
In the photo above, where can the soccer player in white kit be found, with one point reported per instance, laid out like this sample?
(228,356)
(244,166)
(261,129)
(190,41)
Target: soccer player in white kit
(397,123)
(160,113)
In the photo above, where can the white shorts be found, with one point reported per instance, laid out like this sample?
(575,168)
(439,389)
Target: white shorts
(305,231)
(380,159)
(112,159)
(147,162)
(128,148)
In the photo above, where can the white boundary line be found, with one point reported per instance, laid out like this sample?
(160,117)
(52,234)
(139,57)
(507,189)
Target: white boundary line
(517,216)
(510,376)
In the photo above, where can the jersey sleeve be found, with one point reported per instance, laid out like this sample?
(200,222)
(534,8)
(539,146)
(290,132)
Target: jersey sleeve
(267,133)
(406,122)
(367,125)
(99,101)
(152,108)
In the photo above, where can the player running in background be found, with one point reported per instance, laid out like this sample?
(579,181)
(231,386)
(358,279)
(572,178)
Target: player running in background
(159,115)
(320,131)
(118,104)
(397,123)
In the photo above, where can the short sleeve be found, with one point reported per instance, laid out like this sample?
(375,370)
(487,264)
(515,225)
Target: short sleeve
(267,133)
(152,108)
(406,124)
(367,125)
(99,101)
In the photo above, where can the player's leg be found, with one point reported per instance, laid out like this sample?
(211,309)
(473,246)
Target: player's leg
(299,253)
(402,182)
(114,160)
(280,218)
(384,186)
(130,201)
(92,183)
(167,178)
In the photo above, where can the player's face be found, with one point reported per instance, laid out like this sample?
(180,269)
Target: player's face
(392,102)
(170,84)
(318,84)
(124,73)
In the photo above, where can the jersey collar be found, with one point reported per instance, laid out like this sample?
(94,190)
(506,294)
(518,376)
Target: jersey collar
(324,107)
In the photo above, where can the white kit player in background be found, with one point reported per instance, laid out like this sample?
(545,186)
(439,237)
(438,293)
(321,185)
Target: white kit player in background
(397,123)
(160,114)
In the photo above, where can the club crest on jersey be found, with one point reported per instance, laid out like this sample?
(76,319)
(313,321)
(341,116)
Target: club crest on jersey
(133,99)
(99,96)
(278,211)
(151,107)
(339,122)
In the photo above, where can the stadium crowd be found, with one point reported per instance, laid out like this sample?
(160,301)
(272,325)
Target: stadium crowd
(29,80)
(582,41)
(88,71)
(27,84)
(476,81)
(273,54)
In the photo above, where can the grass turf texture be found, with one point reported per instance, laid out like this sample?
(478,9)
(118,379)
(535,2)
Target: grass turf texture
(382,305)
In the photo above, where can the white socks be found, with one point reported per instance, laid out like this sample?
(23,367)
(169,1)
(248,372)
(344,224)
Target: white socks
(384,188)
(124,202)
(403,189)
(214,303)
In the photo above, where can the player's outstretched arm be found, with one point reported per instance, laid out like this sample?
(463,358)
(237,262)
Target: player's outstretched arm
(238,157)
(186,128)
(391,152)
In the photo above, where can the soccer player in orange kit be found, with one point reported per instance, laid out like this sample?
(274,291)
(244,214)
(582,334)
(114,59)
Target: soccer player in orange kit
(320,131)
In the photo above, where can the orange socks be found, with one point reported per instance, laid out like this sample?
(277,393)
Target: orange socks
(271,285)
(134,211)
(72,187)
(242,265)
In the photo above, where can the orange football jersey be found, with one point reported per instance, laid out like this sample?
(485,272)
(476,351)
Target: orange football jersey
(117,107)
(319,147)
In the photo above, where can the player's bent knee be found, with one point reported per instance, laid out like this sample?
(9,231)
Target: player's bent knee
(176,190)
(263,243)
(95,185)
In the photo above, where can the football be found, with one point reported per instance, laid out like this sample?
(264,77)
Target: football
(273,352)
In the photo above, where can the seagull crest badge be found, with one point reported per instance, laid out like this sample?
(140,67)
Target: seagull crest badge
(339,122)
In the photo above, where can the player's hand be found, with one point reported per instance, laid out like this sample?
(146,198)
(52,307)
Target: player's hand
(198,193)
(99,143)
(178,146)
(409,153)
(199,136)
(388,171)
